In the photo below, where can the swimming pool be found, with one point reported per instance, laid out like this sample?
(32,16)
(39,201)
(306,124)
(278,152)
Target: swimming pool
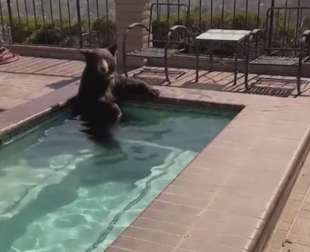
(61,191)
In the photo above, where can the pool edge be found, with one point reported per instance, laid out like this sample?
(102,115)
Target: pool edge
(259,238)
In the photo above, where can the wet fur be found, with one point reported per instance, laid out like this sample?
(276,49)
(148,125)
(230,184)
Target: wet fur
(101,89)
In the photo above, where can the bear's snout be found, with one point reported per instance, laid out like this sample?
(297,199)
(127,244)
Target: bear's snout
(103,67)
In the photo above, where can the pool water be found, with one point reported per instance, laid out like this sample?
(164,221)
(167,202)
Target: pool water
(61,191)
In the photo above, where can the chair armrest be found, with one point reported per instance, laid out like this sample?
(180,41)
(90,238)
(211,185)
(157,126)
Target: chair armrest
(129,28)
(256,35)
(125,36)
(305,42)
(84,34)
(305,37)
(306,33)
(134,25)
(257,32)
(175,28)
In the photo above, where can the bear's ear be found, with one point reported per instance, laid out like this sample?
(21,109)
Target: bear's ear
(112,49)
(85,52)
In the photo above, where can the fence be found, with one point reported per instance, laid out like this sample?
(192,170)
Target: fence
(246,14)
(282,28)
(57,22)
(90,22)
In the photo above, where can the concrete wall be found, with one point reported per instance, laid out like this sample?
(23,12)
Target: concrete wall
(126,13)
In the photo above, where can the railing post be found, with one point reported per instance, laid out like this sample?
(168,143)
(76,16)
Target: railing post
(126,13)
(78,12)
(271,23)
(10,19)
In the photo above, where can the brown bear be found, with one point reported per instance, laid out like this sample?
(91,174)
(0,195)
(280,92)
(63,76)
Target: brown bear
(101,88)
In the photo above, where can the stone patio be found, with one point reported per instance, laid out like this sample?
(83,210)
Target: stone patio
(229,197)
(292,232)
(223,81)
(30,78)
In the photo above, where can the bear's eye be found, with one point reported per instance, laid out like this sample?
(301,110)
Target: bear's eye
(103,66)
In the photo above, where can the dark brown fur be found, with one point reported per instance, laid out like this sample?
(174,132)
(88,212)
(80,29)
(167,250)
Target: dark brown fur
(101,88)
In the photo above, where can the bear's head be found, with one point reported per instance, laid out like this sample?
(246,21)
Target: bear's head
(101,61)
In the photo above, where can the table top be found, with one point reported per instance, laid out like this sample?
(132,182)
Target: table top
(224,35)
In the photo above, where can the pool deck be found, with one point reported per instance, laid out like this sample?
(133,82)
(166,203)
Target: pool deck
(30,78)
(292,230)
(229,197)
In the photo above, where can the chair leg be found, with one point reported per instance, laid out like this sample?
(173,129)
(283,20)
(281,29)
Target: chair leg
(235,68)
(197,49)
(125,68)
(167,74)
(124,55)
(166,64)
(299,70)
(299,74)
(299,80)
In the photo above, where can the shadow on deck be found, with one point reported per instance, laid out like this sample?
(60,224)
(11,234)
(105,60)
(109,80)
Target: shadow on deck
(31,77)
(280,86)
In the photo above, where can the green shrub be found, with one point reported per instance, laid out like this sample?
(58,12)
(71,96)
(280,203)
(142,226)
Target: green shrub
(47,34)
(62,34)
(55,34)
(105,31)
(22,30)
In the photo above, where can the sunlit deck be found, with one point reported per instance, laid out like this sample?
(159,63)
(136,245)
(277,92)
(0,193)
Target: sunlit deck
(280,86)
(30,77)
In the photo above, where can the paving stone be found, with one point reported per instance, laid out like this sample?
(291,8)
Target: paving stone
(150,235)
(19,83)
(159,225)
(10,102)
(277,241)
(218,245)
(139,245)
(295,247)
(115,249)
(293,224)
(301,229)
(174,218)
(185,200)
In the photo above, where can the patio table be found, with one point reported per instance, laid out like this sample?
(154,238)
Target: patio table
(239,38)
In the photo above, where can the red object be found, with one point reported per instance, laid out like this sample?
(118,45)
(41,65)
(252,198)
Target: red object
(6,56)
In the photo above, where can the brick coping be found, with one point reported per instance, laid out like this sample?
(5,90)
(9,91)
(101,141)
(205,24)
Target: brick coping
(238,179)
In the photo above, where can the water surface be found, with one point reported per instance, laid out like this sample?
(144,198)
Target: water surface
(60,191)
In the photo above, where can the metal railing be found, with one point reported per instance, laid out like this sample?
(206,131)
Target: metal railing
(58,22)
(228,13)
(236,14)
(87,23)
(284,28)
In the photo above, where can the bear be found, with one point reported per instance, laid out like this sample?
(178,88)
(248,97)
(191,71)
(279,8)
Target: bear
(93,91)
(102,89)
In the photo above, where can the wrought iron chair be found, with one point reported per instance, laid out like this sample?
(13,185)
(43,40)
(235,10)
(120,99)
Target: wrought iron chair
(285,39)
(167,41)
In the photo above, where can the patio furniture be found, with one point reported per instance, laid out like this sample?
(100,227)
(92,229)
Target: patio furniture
(6,56)
(285,40)
(239,39)
(164,43)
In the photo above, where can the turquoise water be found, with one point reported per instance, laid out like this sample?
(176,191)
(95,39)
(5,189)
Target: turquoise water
(60,191)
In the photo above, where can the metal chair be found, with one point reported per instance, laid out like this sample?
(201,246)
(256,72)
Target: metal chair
(166,42)
(286,40)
